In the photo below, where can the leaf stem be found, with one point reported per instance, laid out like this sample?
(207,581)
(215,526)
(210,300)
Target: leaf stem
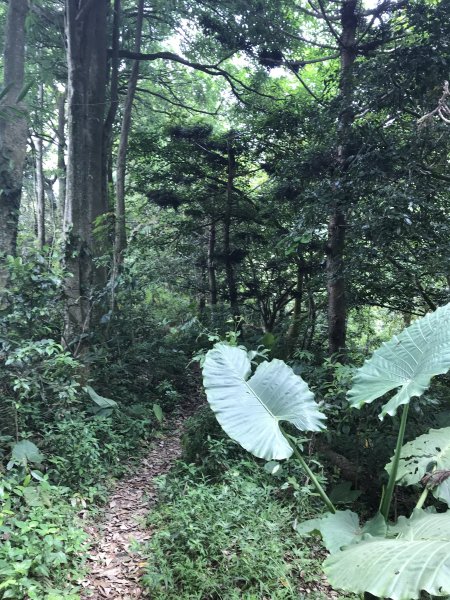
(423,497)
(315,481)
(387,498)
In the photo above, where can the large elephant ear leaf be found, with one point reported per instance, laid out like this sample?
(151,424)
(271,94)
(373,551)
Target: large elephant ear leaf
(250,409)
(342,529)
(427,457)
(417,561)
(408,362)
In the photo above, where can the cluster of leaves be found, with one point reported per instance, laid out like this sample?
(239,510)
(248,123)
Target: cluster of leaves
(43,545)
(145,360)
(383,559)
(86,452)
(86,438)
(206,446)
(31,305)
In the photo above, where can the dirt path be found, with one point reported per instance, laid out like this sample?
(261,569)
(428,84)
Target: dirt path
(114,568)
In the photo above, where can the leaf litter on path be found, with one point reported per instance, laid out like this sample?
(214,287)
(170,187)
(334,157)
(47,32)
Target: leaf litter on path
(115,566)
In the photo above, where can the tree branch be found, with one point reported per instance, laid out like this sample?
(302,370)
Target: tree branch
(177,103)
(384,7)
(213,70)
(330,25)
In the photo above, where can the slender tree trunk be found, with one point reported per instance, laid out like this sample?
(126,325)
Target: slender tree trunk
(312,319)
(40,193)
(294,329)
(121,234)
(86,50)
(53,207)
(202,293)
(229,267)
(113,104)
(337,309)
(61,135)
(13,131)
(40,178)
(271,319)
(212,280)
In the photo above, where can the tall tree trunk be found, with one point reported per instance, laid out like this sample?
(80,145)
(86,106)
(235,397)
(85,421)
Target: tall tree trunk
(202,292)
(53,207)
(337,309)
(312,319)
(121,234)
(40,193)
(13,131)
(61,136)
(229,267)
(113,104)
(211,266)
(86,51)
(40,179)
(294,329)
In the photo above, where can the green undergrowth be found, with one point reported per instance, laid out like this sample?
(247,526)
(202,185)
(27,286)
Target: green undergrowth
(226,540)
(80,423)
(42,546)
(223,527)
(88,453)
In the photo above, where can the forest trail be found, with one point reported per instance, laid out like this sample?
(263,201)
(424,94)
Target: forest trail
(114,568)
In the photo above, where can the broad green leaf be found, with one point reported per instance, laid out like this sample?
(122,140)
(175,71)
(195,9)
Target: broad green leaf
(249,410)
(422,525)
(273,467)
(268,340)
(398,569)
(31,496)
(422,455)
(417,560)
(342,529)
(408,361)
(342,493)
(158,412)
(24,452)
(5,90)
(105,405)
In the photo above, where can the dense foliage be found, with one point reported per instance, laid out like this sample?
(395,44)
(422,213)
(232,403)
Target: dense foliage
(180,182)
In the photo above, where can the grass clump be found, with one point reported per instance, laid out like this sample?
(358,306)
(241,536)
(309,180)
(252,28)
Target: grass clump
(225,540)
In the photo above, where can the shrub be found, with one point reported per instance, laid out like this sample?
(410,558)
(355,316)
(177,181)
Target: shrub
(206,444)
(84,452)
(381,559)
(41,554)
(41,379)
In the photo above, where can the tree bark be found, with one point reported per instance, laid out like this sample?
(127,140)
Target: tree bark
(87,55)
(40,193)
(202,292)
(294,329)
(53,208)
(311,325)
(212,280)
(336,285)
(61,136)
(13,131)
(113,104)
(229,267)
(40,179)
(121,234)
